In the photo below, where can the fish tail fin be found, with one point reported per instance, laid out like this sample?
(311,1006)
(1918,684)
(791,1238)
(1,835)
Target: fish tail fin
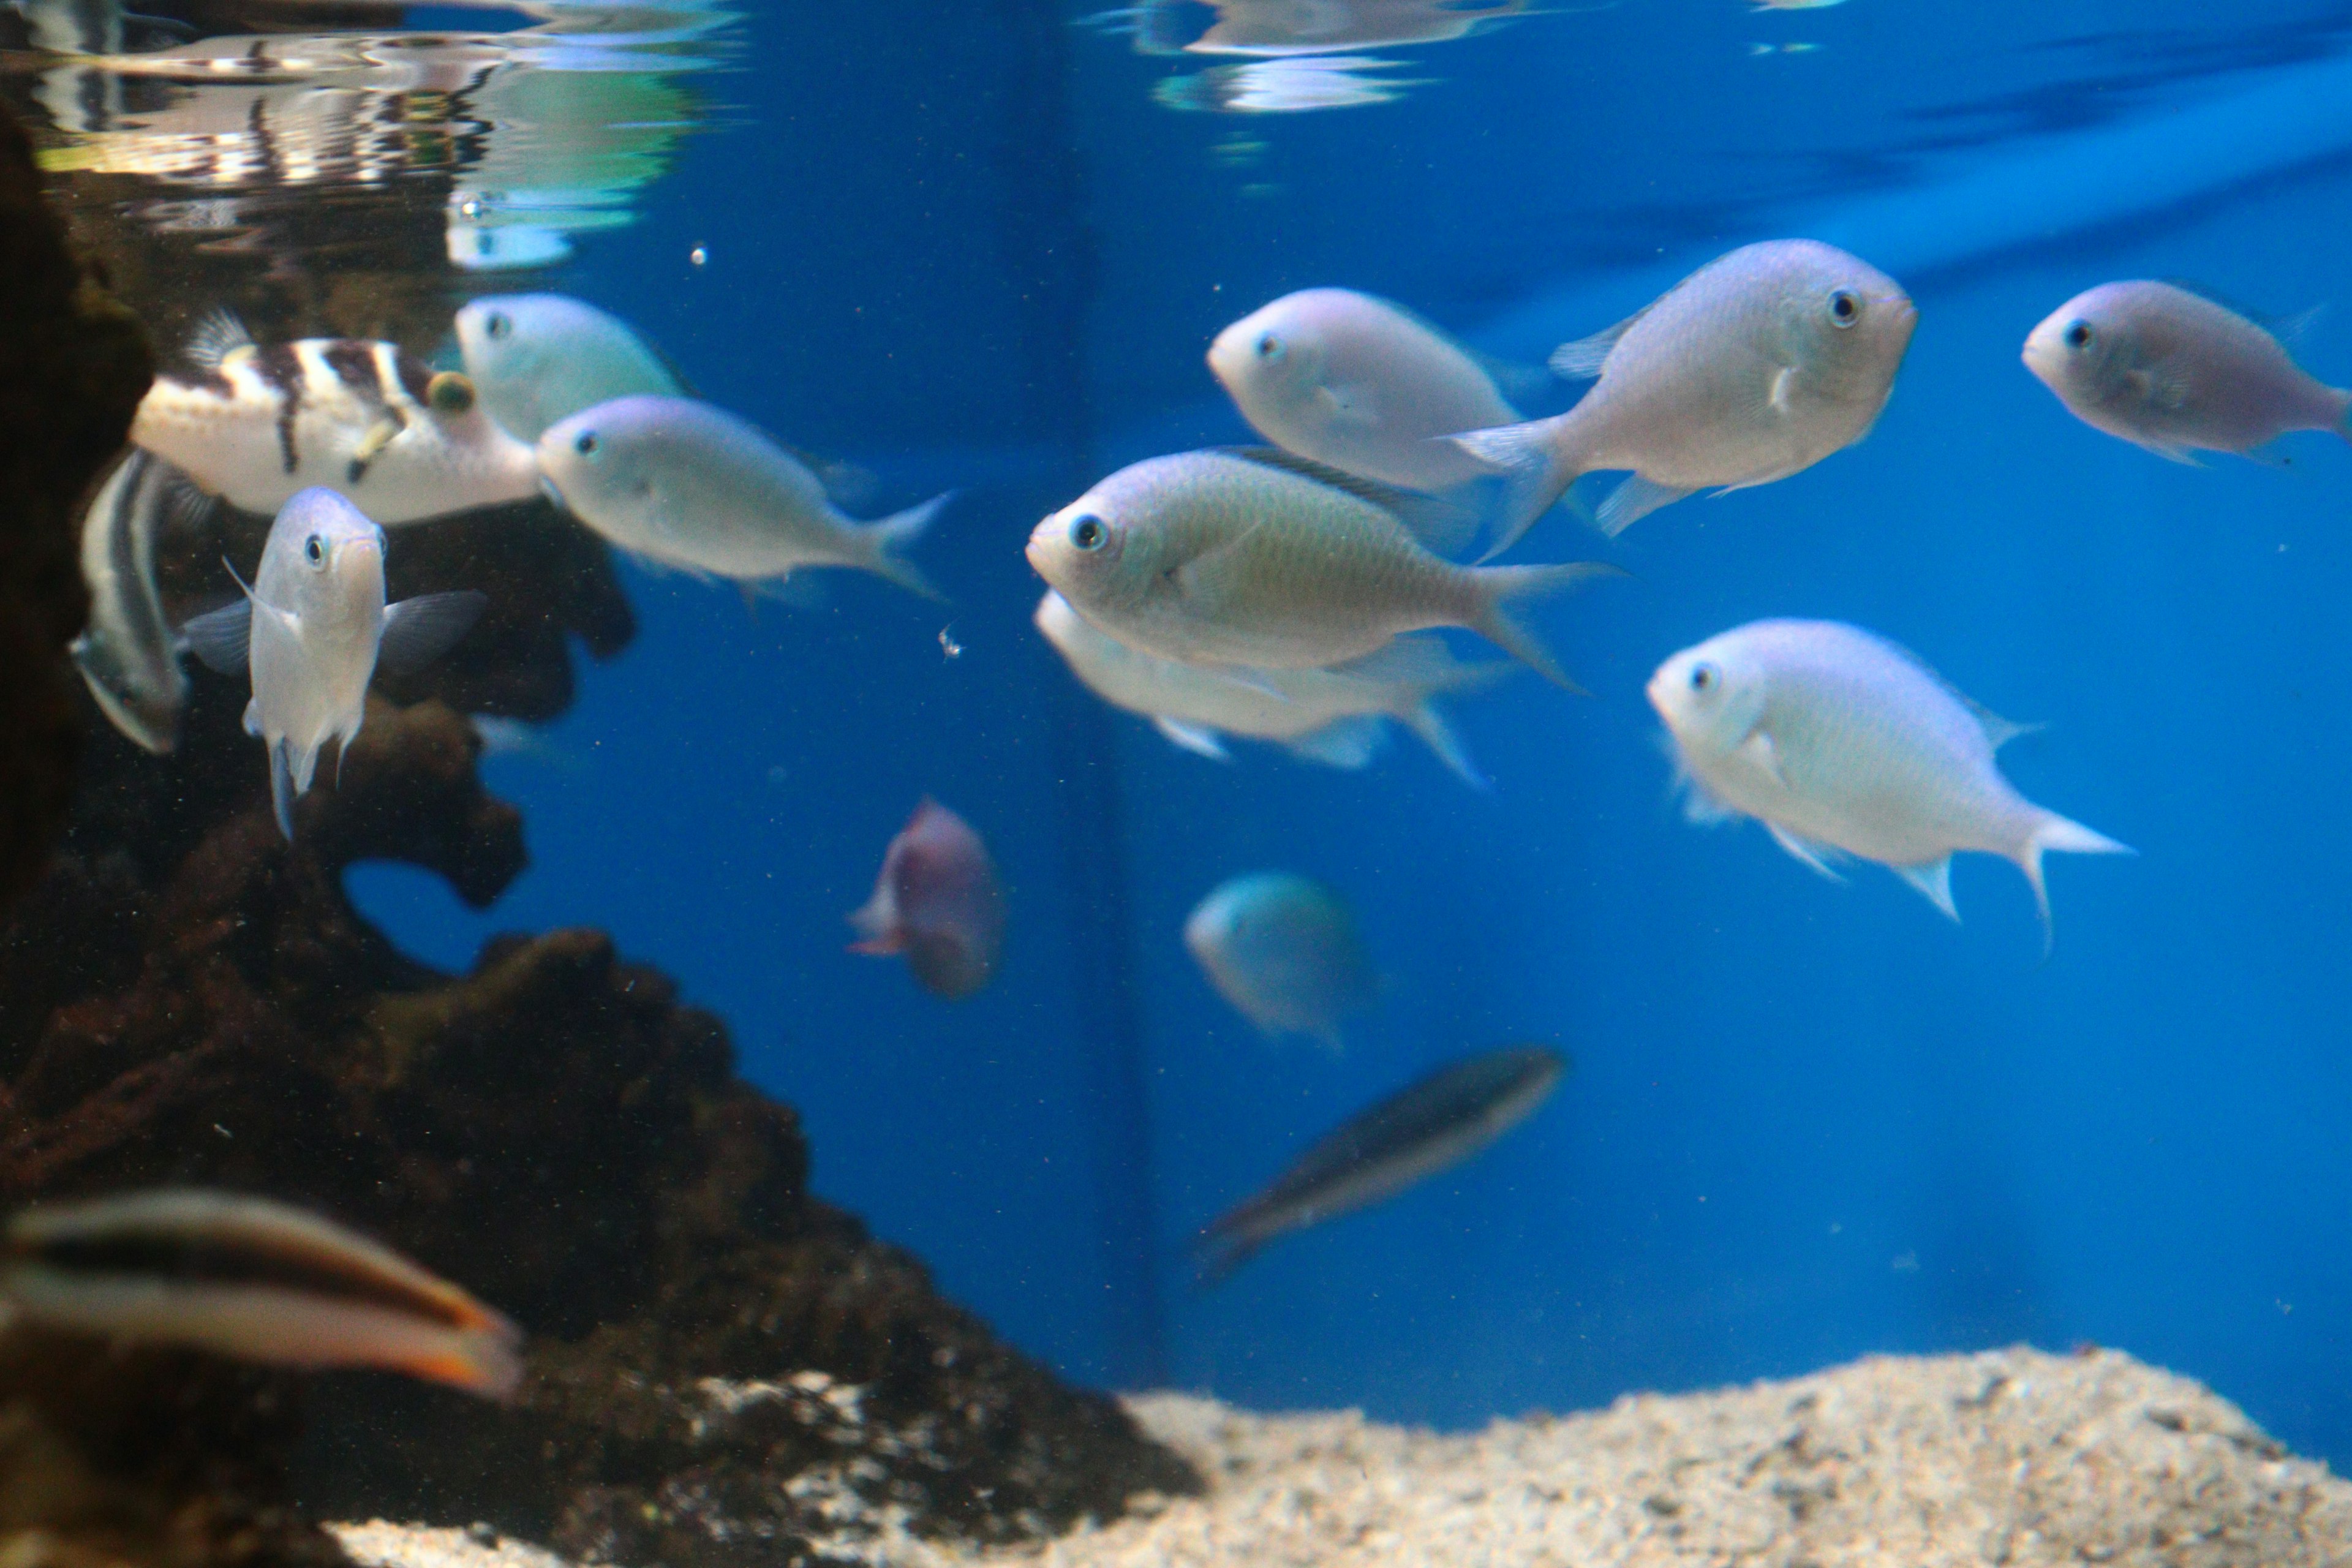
(1495,621)
(2055,832)
(281,788)
(896,535)
(2342,426)
(1534,471)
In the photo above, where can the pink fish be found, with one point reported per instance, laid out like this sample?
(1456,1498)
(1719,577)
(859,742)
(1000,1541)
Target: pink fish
(939,902)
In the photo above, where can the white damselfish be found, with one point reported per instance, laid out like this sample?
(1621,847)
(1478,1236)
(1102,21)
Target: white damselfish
(313,629)
(1839,741)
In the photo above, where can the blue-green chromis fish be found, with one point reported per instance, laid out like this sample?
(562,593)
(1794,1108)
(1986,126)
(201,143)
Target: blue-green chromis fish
(536,359)
(1285,951)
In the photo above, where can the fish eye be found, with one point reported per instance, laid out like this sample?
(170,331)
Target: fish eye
(498,325)
(584,443)
(450,392)
(1087,532)
(2078,336)
(314,550)
(1704,677)
(1845,308)
(1269,347)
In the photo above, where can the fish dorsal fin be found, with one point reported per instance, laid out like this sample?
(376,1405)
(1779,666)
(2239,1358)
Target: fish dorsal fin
(1426,517)
(218,334)
(418,631)
(1197,739)
(1998,730)
(222,638)
(1582,360)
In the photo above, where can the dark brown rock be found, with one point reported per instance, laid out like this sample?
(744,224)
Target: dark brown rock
(73,366)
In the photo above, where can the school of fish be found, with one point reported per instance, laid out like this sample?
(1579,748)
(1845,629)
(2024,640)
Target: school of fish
(1297,593)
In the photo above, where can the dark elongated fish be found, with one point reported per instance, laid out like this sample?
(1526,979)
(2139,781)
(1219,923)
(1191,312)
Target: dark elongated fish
(244,1277)
(1426,1127)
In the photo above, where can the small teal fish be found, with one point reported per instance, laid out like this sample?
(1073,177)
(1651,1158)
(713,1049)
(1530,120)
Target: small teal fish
(687,485)
(1284,949)
(539,358)
(313,629)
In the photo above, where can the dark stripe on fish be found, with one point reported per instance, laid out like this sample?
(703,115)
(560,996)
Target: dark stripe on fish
(213,1262)
(414,374)
(353,363)
(281,367)
(1430,1125)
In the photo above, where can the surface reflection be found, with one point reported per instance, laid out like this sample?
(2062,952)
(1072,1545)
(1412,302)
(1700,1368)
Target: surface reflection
(1296,47)
(277,152)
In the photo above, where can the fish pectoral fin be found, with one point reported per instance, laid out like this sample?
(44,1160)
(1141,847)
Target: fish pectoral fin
(1351,407)
(380,434)
(2156,387)
(1934,878)
(222,638)
(1805,850)
(253,715)
(1782,396)
(418,631)
(1758,750)
(1197,572)
(1197,739)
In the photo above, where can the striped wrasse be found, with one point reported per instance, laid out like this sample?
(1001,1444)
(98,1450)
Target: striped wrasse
(257,424)
(251,1278)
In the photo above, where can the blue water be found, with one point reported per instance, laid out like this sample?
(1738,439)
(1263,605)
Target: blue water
(1807,1122)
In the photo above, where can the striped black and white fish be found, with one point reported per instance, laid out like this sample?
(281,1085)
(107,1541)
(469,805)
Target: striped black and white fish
(1430,1125)
(257,424)
(130,655)
(249,1278)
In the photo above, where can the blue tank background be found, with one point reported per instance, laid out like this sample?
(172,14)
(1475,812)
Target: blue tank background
(1807,1122)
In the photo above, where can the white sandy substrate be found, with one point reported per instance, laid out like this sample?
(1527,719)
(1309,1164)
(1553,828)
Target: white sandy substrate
(2014,1456)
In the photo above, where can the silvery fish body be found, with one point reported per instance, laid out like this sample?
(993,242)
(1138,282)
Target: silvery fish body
(2173,372)
(1429,1126)
(254,425)
(130,655)
(690,486)
(1261,558)
(1334,716)
(1838,741)
(1756,366)
(1284,949)
(1360,384)
(536,359)
(311,632)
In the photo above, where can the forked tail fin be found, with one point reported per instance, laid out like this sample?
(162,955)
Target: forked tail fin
(896,535)
(1534,474)
(1504,584)
(2055,832)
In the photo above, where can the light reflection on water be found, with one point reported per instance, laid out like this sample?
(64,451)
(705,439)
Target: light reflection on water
(1295,49)
(274,165)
